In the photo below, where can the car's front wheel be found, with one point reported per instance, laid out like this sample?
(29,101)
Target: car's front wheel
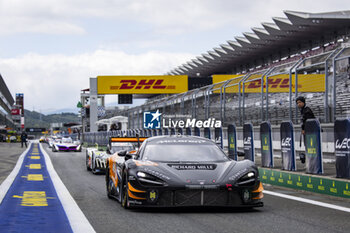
(87,162)
(124,194)
(109,183)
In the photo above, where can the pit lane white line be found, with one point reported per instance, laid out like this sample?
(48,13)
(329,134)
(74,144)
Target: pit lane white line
(76,217)
(312,202)
(6,184)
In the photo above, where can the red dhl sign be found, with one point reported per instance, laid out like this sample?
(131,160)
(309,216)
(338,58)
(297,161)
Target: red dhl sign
(280,83)
(166,84)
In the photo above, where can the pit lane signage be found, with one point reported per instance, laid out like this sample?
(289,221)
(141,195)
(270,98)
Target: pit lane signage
(232,141)
(248,142)
(342,147)
(287,146)
(309,183)
(313,147)
(266,145)
(157,84)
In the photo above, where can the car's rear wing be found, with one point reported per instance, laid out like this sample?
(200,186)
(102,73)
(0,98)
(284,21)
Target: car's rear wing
(126,139)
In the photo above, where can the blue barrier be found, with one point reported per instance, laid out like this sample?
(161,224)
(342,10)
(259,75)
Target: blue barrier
(218,137)
(266,144)
(197,132)
(313,147)
(232,141)
(207,133)
(248,142)
(287,146)
(342,147)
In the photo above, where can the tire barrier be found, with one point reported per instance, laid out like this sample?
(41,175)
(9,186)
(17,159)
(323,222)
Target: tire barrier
(172,131)
(313,147)
(342,147)
(180,131)
(287,146)
(266,145)
(248,142)
(232,141)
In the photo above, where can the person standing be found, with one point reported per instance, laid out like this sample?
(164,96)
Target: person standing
(306,113)
(24,139)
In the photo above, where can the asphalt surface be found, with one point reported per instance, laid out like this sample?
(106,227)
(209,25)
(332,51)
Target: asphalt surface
(9,153)
(278,214)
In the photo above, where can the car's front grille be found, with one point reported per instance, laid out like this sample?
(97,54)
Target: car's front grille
(195,198)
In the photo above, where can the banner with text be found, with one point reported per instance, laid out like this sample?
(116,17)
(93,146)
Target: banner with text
(156,84)
(313,147)
(266,144)
(287,146)
(232,141)
(342,147)
(248,142)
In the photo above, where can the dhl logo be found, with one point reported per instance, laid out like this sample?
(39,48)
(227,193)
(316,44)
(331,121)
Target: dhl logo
(273,83)
(142,84)
(155,84)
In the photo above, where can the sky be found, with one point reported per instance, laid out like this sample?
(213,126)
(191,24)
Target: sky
(50,48)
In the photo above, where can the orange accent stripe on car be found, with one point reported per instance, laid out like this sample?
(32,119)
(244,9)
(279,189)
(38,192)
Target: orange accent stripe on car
(127,139)
(260,196)
(135,197)
(132,189)
(259,189)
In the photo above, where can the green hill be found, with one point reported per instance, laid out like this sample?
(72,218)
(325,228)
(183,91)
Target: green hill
(35,119)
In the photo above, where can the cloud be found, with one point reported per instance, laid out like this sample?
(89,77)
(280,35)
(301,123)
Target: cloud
(166,17)
(54,81)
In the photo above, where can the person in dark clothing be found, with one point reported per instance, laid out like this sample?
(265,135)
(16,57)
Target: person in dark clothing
(306,112)
(24,138)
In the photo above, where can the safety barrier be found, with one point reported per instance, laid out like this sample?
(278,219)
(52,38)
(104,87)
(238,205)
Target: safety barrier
(230,140)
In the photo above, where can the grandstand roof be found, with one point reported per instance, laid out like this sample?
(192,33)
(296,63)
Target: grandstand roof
(299,32)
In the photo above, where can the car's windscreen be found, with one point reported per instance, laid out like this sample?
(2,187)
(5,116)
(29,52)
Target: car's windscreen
(67,140)
(184,153)
(119,146)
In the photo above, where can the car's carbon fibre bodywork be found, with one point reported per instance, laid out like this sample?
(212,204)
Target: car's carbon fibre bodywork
(146,183)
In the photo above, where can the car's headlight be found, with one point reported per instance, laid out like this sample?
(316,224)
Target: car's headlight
(141,174)
(248,179)
(149,180)
(251,174)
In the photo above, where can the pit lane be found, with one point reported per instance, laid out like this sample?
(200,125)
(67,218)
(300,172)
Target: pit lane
(277,215)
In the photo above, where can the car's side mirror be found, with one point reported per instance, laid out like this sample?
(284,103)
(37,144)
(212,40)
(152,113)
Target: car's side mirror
(122,153)
(128,156)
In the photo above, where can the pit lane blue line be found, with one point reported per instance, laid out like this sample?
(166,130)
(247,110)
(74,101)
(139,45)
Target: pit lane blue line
(33,206)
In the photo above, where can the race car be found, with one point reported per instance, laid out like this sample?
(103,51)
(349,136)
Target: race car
(177,171)
(96,158)
(65,144)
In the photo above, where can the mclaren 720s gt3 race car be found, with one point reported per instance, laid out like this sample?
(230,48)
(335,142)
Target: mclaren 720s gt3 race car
(176,171)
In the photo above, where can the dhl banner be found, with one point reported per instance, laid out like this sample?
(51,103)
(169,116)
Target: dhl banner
(277,83)
(157,84)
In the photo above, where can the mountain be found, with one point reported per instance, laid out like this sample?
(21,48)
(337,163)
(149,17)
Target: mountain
(35,119)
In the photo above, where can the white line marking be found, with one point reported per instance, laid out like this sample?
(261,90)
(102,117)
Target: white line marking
(6,184)
(312,202)
(76,217)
